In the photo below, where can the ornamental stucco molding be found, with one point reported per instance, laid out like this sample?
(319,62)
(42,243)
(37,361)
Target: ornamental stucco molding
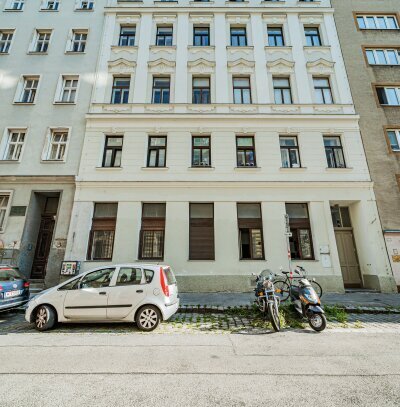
(248,50)
(161,66)
(159,108)
(274,18)
(128,19)
(243,108)
(285,109)
(201,18)
(241,66)
(156,49)
(164,18)
(311,18)
(201,50)
(201,66)
(201,108)
(281,66)
(116,109)
(121,66)
(327,109)
(117,49)
(320,67)
(238,18)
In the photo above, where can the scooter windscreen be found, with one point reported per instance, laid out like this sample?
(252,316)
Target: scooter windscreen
(310,295)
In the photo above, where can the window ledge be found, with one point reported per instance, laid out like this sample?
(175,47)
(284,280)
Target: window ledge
(75,52)
(84,9)
(4,53)
(64,103)
(204,167)
(247,168)
(339,169)
(319,47)
(155,168)
(24,103)
(52,161)
(109,168)
(247,260)
(37,53)
(290,169)
(10,10)
(237,2)
(44,10)
(9,161)
(239,47)
(195,3)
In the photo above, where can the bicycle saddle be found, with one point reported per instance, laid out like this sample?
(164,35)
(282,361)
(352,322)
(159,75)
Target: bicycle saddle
(285,272)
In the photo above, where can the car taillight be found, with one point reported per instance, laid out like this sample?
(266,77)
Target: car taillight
(26,284)
(164,285)
(1,288)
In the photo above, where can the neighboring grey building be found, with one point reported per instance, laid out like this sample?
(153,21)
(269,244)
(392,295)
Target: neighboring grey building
(369,32)
(48,54)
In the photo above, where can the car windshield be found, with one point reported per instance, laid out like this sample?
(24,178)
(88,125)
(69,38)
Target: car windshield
(10,275)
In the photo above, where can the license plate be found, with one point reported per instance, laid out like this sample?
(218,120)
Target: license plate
(14,293)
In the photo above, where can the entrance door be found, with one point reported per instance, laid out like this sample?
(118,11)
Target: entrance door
(348,258)
(43,245)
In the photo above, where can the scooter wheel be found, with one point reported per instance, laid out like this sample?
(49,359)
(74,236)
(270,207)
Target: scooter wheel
(317,322)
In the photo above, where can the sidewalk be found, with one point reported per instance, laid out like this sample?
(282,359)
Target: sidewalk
(356,301)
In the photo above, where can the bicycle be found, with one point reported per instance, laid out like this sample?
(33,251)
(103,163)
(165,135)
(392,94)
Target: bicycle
(283,287)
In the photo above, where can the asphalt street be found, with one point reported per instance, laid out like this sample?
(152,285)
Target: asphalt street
(292,368)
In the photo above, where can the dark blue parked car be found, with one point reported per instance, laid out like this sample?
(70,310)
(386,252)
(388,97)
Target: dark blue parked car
(14,288)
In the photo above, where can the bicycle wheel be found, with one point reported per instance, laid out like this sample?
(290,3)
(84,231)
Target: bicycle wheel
(274,316)
(317,288)
(282,290)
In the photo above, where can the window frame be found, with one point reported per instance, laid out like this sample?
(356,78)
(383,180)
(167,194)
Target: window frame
(312,38)
(45,5)
(201,148)
(81,43)
(274,37)
(22,88)
(7,42)
(161,89)
(283,91)
(245,149)
(125,89)
(333,149)
(204,91)
(288,149)
(44,42)
(238,37)
(162,40)
(49,144)
(396,130)
(375,16)
(321,90)
(127,37)
(5,145)
(385,48)
(79,5)
(242,89)
(114,151)
(151,148)
(5,209)
(9,5)
(385,86)
(62,88)
(201,36)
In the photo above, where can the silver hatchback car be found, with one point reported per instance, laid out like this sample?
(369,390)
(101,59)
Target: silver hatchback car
(141,293)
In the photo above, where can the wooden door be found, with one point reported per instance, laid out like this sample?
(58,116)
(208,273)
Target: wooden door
(43,245)
(348,258)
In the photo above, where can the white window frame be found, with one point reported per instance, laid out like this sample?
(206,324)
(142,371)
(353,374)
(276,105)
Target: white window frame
(385,51)
(8,40)
(21,88)
(79,5)
(49,143)
(5,143)
(6,209)
(375,17)
(61,87)
(397,91)
(396,132)
(36,35)
(10,4)
(45,5)
(71,40)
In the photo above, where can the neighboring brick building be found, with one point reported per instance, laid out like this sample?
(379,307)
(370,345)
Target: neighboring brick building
(370,40)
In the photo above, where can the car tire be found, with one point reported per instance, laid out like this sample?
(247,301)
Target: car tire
(45,318)
(148,318)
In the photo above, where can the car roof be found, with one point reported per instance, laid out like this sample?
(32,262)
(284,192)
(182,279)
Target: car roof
(135,265)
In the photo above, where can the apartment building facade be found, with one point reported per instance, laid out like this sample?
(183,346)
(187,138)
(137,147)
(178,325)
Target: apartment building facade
(220,136)
(48,54)
(369,35)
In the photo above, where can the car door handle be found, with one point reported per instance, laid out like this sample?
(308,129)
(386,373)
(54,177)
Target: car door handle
(139,291)
(102,293)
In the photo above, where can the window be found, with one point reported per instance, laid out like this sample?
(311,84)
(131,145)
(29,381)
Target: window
(29,89)
(164,36)
(127,37)
(241,90)
(78,42)
(14,145)
(41,42)
(120,90)
(389,96)
(250,231)
(50,5)
(238,37)
(5,41)
(245,151)
(289,152)
(112,151)
(201,91)
(57,145)
(157,152)
(313,39)
(161,90)
(69,88)
(201,36)
(97,279)
(201,151)
(378,22)
(84,5)
(340,216)
(152,232)
(323,92)
(129,276)
(282,92)
(383,56)
(301,247)
(15,5)
(4,207)
(201,231)
(275,37)
(394,139)
(101,239)
(334,152)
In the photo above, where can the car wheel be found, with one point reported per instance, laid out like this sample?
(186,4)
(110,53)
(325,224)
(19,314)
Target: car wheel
(45,318)
(148,318)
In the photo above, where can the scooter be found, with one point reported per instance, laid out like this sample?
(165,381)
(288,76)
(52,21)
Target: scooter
(306,302)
